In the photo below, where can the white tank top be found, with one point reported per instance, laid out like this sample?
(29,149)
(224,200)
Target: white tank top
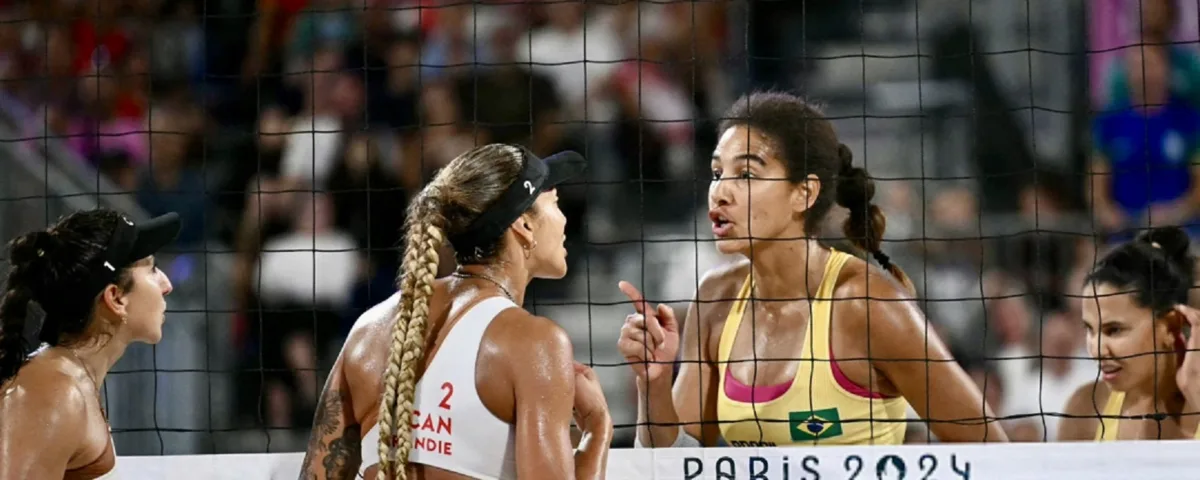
(452,429)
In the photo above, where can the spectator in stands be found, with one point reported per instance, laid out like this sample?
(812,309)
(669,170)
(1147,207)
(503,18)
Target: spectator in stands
(369,198)
(323,24)
(444,134)
(108,119)
(101,39)
(952,268)
(170,182)
(579,63)
(456,43)
(304,278)
(317,133)
(387,61)
(655,106)
(508,102)
(1142,172)
(1043,383)
(1153,23)
(272,28)
(1042,257)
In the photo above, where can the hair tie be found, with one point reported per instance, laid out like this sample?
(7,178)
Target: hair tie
(35,318)
(882,258)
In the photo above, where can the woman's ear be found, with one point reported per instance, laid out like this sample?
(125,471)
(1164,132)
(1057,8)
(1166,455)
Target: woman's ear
(113,299)
(522,229)
(804,194)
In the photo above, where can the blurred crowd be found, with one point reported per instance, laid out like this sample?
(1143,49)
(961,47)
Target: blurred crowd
(295,131)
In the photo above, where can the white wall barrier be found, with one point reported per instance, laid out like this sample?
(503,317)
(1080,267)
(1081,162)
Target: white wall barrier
(1149,460)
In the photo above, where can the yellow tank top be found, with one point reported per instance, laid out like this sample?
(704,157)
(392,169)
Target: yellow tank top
(1110,421)
(815,409)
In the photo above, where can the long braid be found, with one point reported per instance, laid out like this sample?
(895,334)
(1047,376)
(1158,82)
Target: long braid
(391,378)
(414,343)
(458,194)
(425,236)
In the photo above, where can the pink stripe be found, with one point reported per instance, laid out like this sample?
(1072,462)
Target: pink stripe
(848,384)
(740,392)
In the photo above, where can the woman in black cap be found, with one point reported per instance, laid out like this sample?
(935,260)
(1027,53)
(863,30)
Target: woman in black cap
(496,393)
(76,296)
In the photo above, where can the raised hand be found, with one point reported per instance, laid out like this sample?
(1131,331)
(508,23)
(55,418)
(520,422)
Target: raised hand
(650,337)
(591,408)
(1188,376)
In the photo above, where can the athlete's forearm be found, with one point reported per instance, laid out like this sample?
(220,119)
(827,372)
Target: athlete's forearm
(658,422)
(591,459)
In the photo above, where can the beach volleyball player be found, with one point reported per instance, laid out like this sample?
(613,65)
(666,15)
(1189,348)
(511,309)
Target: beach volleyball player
(800,344)
(451,378)
(1136,317)
(76,296)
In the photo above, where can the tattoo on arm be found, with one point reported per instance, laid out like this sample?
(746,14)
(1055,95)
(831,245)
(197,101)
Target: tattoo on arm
(334,444)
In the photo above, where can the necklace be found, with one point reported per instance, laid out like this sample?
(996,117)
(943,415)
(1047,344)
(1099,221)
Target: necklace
(462,274)
(92,378)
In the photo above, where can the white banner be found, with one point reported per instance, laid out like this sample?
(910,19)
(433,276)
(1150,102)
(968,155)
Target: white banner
(1149,460)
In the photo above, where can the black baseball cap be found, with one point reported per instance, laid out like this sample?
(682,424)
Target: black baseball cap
(132,242)
(537,175)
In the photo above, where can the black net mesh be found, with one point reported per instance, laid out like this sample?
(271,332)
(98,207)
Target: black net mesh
(291,134)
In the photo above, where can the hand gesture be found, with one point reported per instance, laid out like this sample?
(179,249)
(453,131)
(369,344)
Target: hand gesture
(591,408)
(650,338)
(1188,376)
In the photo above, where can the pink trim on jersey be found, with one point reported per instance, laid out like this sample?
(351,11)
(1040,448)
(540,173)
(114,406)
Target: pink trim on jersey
(849,385)
(740,392)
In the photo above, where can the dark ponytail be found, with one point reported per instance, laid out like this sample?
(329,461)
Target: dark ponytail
(46,298)
(20,315)
(1158,267)
(866,224)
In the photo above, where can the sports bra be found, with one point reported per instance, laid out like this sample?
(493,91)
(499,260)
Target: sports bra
(451,427)
(102,468)
(819,406)
(1110,421)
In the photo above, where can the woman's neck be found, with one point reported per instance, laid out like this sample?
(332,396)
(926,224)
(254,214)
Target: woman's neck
(1162,392)
(98,358)
(512,279)
(790,269)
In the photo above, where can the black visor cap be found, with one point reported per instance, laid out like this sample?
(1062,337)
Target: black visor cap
(561,167)
(153,235)
(132,242)
(537,176)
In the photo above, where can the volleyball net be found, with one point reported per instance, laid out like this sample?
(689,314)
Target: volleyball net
(291,134)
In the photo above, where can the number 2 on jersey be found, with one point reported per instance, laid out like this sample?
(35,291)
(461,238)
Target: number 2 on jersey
(449,388)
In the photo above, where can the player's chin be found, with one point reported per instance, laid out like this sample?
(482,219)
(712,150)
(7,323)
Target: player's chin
(558,270)
(152,334)
(731,246)
(154,331)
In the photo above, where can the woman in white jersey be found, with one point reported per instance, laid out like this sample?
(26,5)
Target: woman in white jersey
(451,378)
(77,295)
(1135,314)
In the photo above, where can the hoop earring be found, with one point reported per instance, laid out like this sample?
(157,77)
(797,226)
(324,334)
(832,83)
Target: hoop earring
(529,249)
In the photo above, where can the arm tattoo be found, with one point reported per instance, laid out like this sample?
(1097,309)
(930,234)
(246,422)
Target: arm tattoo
(340,455)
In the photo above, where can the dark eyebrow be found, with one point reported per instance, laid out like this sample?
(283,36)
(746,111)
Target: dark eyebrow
(749,157)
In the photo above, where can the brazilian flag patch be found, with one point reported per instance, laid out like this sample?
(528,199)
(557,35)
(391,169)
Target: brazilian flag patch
(814,425)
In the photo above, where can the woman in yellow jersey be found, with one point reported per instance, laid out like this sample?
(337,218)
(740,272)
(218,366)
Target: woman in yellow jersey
(761,336)
(1134,312)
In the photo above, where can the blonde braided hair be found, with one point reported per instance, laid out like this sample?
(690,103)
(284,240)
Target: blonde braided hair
(458,194)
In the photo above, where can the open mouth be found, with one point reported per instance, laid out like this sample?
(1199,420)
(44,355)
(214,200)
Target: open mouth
(1109,371)
(720,224)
